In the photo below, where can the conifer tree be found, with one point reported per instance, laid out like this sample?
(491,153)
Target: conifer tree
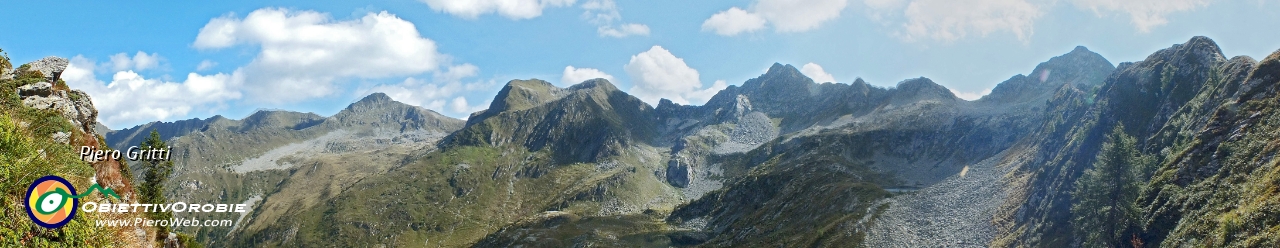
(154,177)
(1105,211)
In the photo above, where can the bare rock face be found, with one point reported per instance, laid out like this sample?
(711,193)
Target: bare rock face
(52,67)
(679,174)
(77,108)
(36,89)
(74,105)
(740,107)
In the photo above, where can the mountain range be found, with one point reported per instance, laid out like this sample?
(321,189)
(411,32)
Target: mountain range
(779,161)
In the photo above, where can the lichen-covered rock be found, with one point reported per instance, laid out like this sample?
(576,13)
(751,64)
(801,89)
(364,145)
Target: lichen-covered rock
(75,105)
(52,67)
(36,89)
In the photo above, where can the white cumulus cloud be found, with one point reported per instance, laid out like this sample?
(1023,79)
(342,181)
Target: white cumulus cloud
(513,9)
(971,95)
(733,22)
(623,30)
(798,16)
(604,14)
(140,61)
(1144,14)
(884,4)
(457,72)
(951,20)
(955,19)
(305,54)
(702,96)
(573,75)
(816,72)
(460,105)
(130,99)
(658,74)
(206,65)
(782,15)
(441,93)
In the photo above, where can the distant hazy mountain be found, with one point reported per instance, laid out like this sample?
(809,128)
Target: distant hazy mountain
(250,160)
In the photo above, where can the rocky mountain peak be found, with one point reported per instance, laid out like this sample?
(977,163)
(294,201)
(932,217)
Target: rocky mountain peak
(1080,49)
(1198,50)
(1264,80)
(859,82)
(280,119)
(782,89)
(919,89)
(1204,45)
(217,120)
(521,94)
(779,77)
(372,101)
(585,122)
(780,68)
(517,95)
(376,97)
(1269,66)
(1171,75)
(1079,67)
(134,135)
(595,84)
(524,94)
(379,110)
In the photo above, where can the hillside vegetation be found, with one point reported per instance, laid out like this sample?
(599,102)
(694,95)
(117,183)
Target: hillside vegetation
(28,151)
(1204,130)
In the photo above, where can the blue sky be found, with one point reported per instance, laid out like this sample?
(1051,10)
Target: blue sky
(146,61)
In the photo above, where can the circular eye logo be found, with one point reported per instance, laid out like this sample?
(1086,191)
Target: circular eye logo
(51,202)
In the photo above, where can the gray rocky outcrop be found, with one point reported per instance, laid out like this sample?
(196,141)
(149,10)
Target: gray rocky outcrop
(36,89)
(74,105)
(679,173)
(62,137)
(51,67)
(740,107)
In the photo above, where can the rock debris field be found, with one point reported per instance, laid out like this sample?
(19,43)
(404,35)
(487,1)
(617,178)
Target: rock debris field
(955,212)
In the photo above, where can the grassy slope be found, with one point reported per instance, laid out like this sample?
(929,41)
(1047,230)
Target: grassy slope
(207,155)
(1223,189)
(1182,105)
(458,196)
(27,153)
(531,158)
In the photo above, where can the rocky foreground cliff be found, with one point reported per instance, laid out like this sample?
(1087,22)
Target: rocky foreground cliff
(42,125)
